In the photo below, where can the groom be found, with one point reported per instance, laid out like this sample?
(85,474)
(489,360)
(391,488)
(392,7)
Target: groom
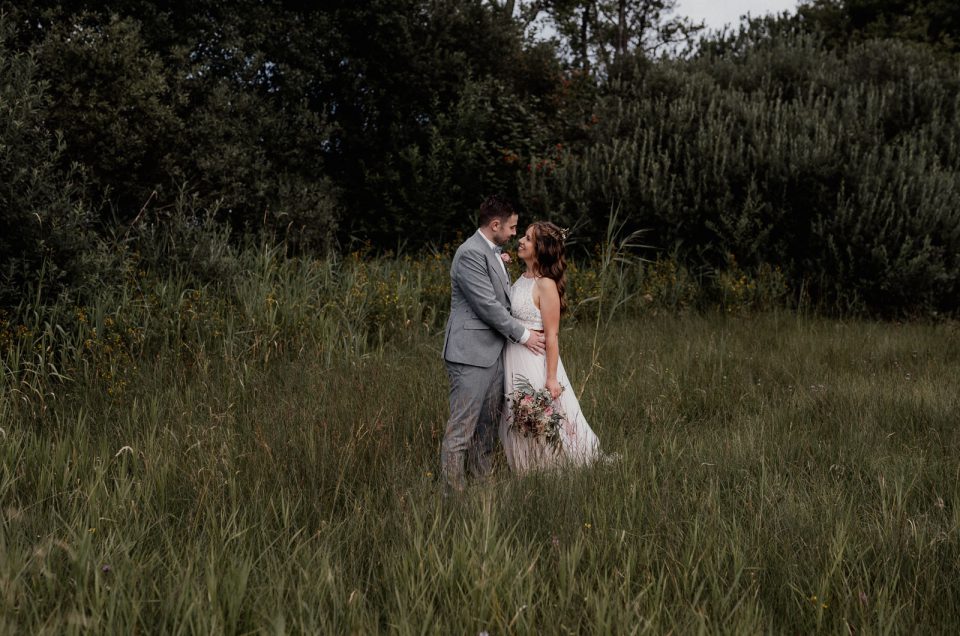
(477,330)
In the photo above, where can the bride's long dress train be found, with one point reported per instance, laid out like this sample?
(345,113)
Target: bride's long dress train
(579,444)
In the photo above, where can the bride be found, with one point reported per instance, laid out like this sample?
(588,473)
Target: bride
(537,300)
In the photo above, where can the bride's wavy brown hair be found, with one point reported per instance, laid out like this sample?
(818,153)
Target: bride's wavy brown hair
(551,254)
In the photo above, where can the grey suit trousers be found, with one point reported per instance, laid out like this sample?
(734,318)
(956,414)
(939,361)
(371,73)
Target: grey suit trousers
(476,397)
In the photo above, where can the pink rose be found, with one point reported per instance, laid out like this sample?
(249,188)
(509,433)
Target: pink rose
(505,257)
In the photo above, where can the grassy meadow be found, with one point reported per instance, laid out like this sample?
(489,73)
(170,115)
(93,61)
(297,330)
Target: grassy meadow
(261,457)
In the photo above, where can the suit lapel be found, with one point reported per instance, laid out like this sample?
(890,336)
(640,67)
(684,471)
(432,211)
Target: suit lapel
(493,262)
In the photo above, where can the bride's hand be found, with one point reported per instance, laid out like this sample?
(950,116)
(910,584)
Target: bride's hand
(555,388)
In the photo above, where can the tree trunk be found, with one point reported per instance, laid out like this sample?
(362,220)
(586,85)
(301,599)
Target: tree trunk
(584,41)
(622,37)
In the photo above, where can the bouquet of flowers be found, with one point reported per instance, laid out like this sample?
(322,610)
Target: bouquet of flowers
(533,414)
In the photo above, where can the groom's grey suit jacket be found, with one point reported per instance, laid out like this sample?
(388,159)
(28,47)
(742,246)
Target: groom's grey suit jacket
(480,320)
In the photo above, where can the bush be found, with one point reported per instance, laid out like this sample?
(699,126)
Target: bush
(840,169)
(45,222)
(147,121)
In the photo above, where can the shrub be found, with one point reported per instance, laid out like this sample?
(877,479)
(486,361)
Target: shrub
(838,168)
(45,222)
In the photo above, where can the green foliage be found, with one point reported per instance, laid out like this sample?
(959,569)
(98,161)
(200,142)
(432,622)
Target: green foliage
(147,110)
(44,219)
(935,22)
(427,98)
(802,145)
(839,168)
(282,116)
(114,105)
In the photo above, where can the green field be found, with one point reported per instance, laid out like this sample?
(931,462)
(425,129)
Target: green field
(226,239)
(777,473)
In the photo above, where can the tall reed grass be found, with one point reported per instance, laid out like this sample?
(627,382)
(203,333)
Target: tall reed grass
(777,474)
(259,454)
(257,303)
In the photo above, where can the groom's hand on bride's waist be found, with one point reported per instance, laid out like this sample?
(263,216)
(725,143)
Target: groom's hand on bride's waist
(535,343)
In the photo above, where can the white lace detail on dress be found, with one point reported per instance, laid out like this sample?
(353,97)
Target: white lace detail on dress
(521,304)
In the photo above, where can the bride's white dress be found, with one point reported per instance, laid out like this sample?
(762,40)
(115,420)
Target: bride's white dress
(579,444)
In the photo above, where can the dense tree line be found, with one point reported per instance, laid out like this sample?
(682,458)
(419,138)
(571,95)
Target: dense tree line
(821,141)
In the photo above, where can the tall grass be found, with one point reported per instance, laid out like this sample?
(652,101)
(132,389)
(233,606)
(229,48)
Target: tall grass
(246,306)
(777,474)
(260,454)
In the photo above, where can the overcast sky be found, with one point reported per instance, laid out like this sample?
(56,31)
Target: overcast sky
(716,13)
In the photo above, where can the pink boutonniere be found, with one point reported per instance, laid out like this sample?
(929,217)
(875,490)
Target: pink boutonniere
(505,257)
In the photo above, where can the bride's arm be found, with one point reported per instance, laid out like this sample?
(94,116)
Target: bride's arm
(550,313)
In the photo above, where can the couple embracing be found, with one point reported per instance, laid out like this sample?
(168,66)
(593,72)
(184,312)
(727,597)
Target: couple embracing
(499,335)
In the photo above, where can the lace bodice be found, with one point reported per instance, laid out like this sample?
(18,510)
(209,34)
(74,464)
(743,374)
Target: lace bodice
(521,304)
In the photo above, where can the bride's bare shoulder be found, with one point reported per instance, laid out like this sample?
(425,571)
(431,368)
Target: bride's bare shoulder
(546,285)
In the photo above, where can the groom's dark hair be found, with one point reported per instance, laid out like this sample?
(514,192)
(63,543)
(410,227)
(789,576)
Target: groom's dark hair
(495,207)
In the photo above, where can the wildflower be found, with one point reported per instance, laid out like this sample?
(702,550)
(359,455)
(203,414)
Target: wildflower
(106,569)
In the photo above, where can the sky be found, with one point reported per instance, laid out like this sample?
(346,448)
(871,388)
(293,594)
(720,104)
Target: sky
(716,13)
